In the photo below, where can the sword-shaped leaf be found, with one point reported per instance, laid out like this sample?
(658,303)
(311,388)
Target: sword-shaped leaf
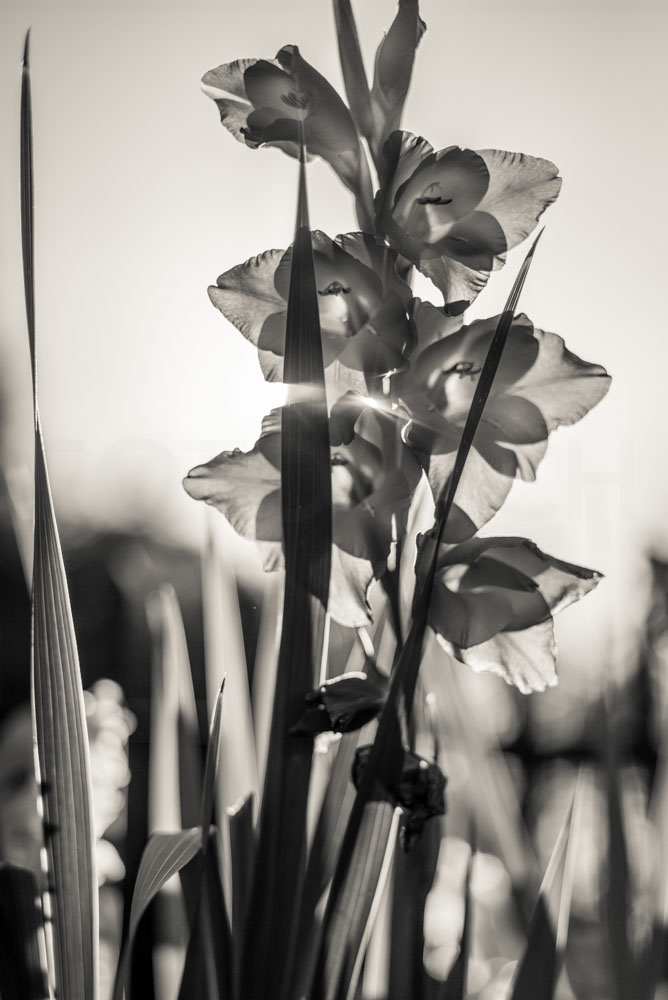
(207,973)
(165,855)
(306,500)
(59,720)
(616,898)
(539,967)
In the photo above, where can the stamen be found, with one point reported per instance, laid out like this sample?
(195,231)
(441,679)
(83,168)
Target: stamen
(426,200)
(463,368)
(435,199)
(294,100)
(335,288)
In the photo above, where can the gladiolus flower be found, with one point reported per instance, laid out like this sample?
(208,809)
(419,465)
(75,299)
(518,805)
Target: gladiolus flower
(455,213)
(362,303)
(373,480)
(540,385)
(274,102)
(493,602)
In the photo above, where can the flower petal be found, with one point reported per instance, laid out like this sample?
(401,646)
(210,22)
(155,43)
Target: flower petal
(493,604)
(539,386)
(373,480)
(459,284)
(520,189)
(362,304)
(263,102)
(525,660)
(227,79)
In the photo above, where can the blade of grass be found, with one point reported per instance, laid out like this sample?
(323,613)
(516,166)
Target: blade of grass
(652,962)
(331,825)
(176,763)
(59,721)
(175,772)
(165,855)
(413,879)
(264,672)
(365,840)
(22,960)
(225,656)
(207,972)
(616,899)
(307,538)
(538,970)
(242,852)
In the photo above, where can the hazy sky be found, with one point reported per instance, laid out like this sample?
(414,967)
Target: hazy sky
(142,199)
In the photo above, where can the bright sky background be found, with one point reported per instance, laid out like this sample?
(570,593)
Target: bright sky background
(142,199)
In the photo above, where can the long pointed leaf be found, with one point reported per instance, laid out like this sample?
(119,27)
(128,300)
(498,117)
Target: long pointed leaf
(176,765)
(175,772)
(225,656)
(208,965)
(59,720)
(307,538)
(617,896)
(242,853)
(365,840)
(538,970)
(164,856)
(413,879)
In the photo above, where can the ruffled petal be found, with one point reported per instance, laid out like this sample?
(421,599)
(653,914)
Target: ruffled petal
(520,189)
(373,480)
(493,603)
(366,333)
(539,386)
(269,101)
(526,660)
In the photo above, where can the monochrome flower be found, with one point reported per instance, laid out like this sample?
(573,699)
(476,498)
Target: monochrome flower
(492,606)
(274,102)
(455,213)
(362,303)
(539,386)
(373,480)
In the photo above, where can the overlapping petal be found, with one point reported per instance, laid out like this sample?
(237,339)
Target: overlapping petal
(493,602)
(539,386)
(271,102)
(454,213)
(373,480)
(366,333)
